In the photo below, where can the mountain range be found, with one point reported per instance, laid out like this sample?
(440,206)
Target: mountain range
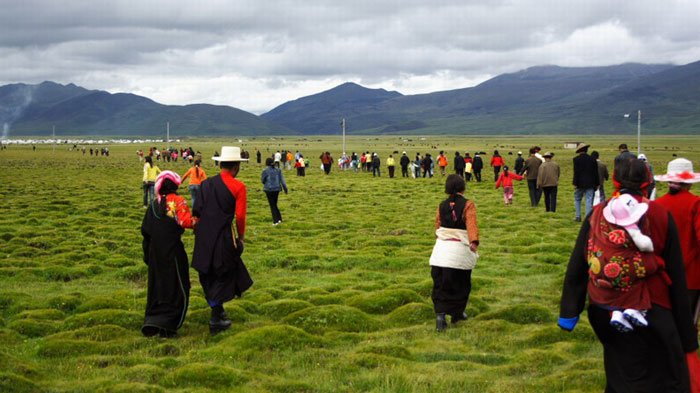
(537,100)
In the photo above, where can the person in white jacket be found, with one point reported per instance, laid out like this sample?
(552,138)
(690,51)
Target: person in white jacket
(454,254)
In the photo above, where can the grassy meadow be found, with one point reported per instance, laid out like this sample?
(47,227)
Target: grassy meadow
(341,300)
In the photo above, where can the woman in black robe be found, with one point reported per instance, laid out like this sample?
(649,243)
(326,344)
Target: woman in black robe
(164,253)
(650,359)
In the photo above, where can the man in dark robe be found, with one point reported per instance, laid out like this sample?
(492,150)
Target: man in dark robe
(219,240)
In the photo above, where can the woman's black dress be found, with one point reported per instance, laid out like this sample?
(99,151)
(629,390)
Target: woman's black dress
(168,273)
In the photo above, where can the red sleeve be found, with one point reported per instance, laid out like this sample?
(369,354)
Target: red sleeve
(696,219)
(181,212)
(241,196)
(238,190)
(493,160)
(516,176)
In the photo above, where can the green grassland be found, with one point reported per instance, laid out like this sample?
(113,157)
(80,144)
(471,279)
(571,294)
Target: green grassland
(341,300)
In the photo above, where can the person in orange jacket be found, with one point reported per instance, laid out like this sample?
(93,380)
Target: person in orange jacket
(497,163)
(442,162)
(506,180)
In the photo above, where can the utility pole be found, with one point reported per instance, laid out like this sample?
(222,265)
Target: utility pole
(54,139)
(167,133)
(639,132)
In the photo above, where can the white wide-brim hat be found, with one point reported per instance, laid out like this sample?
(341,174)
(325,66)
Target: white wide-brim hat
(679,170)
(230,154)
(624,210)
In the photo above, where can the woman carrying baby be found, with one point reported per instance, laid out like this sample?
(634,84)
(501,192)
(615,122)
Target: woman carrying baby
(627,259)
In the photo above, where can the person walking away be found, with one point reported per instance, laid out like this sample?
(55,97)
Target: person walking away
(459,165)
(290,159)
(649,359)
(273,182)
(454,255)
(417,163)
(258,156)
(442,162)
(585,179)
(220,237)
(404,162)
(427,165)
(163,252)
(376,163)
(468,166)
(497,163)
(197,177)
(477,166)
(625,154)
(327,162)
(150,172)
(603,174)
(519,166)
(391,164)
(301,168)
(651,190)
(548,181)
(506,180)
(531,170)
(684,206)
(278,158)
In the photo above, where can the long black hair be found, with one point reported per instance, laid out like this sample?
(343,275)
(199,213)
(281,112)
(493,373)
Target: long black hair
(149,160)
(196,166)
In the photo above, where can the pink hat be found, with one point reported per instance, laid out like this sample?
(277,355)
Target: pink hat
(172,176)
(679,170)
(624,210)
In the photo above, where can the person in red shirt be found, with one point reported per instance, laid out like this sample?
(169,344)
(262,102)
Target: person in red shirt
(497,163)
(685,209)
(219,238)
(506,180)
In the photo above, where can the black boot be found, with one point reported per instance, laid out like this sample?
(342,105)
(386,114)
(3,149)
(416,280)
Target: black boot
(459,317)
(440,322)
(219,320)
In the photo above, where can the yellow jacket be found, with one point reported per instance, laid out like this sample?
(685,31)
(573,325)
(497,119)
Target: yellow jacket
(150,172)
(390,161)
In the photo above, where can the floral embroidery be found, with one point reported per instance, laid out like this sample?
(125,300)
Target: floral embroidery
(615,265)
(617,236)
(172,209)
(612,270)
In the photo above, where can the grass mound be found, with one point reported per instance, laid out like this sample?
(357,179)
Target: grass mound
(131,387)
(210,376)
(125,319)
(267,338)
(289,387)
(66,302)
(521,314)
(394,351)
(380,302)
(34,327)
(411,314)
(283,307)
(10,382)
(333,317)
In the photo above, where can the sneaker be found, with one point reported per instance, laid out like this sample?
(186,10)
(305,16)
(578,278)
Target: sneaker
(577,219)
(274,224)
(619,322)
(636,317)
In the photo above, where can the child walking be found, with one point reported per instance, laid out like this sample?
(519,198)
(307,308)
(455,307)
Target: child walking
(506,180)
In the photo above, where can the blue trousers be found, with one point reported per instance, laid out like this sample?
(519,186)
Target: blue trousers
(579,193)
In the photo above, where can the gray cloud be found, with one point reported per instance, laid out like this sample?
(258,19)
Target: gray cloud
(255,55)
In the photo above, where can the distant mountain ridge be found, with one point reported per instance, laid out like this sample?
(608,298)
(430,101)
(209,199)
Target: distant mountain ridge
(35,109)
(537,100)
(542,99)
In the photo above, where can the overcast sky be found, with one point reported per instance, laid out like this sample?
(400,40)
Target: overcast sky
(257,54)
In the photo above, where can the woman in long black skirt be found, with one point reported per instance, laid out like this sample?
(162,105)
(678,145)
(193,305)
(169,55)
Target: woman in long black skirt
(164,253)
(454,255)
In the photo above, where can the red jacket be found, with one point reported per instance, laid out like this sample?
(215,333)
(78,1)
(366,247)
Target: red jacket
(497,161)
(685,209)
(507,181)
